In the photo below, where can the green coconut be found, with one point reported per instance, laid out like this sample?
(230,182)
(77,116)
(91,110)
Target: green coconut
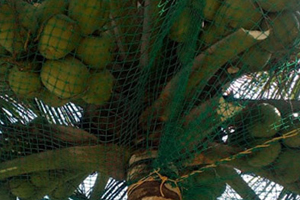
(12,35)
(66,189)
(211,185)
(51,99)
(181,27)
(5,193)
(96,51)
(210,192)
(43,179)
(21,188)
(25,84)
(100,87)
(255,59)
(90,15)
(264,121)
(59,37)
(48,8)
(284,31)
(65,78)
(239,14)
(208,8)
(44,182)
(278,5)
(266,155)
(27,16)
(295,140)
(287,166)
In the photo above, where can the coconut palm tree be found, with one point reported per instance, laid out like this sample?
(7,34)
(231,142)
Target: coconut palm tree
(184,102)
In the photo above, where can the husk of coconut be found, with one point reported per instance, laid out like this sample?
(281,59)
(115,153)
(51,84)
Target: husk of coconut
(284,29)
(96,52)
(91,15)
(65,78)
(100,87)
(59,37)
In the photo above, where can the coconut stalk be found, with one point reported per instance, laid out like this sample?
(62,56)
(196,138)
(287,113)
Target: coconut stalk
(145,39)
(65,189)
(70,134)
(201,122)
(125,19)
(99,186)
(237,182)
(108,159)
(204,66)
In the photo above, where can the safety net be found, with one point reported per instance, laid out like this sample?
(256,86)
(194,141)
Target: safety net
(149,99)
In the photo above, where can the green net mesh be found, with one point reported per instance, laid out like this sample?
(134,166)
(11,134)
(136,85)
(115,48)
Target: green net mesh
(149,99)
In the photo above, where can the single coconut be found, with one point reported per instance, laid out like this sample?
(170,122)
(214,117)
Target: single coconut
(294,141)
(239,14)
(12,35)
(212,186)
(284,28)
(59,37)
(25,84)
(21,188)
(278,5)
(287,166)
(96,51)
(66,189)
(265,155)
(43,179)
(90,15)
(48,8)
(100,87)
(264,121)
(65,78)
(27,16)
(181,27)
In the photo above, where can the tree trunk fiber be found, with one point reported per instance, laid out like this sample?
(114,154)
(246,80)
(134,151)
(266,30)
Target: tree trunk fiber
(153,190)
(146,186)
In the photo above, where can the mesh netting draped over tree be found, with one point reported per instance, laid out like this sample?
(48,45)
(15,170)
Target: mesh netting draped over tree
(172,99)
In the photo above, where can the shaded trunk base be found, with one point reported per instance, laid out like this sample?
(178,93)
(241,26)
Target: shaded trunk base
(144,186)
(153,190)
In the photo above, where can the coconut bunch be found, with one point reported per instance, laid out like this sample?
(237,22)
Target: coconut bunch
(57,184)
(254,127)
(56,51)
(220,18)
(262,125)
(205,185)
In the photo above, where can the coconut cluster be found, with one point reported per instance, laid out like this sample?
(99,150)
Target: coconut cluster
(274,141)
(57,184)
(221,18)
(56,51)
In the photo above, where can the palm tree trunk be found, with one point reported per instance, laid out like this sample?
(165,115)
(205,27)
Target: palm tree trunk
(153,190)
(147,185)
